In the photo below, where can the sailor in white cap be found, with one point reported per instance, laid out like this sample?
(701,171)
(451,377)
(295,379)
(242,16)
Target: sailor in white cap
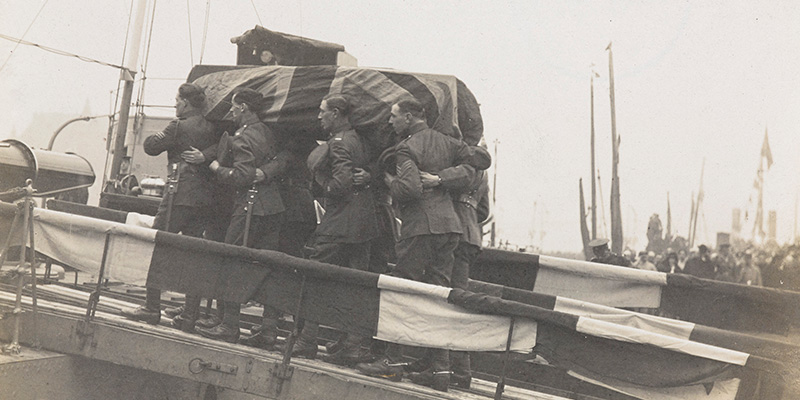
(604,255)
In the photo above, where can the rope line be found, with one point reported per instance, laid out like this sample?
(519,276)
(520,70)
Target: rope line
(189,18)
(59,52)
(205,32)
(23,35)
(256,10)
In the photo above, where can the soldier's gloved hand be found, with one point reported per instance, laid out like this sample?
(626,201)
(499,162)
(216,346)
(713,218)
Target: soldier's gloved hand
(193,156)
(429,180)
(260,176)
(361,177)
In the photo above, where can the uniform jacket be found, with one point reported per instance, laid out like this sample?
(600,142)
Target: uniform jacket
(250,147)
(613,259)
(349,209)
(429,211)
(195,184)
(288,169)
(467,199)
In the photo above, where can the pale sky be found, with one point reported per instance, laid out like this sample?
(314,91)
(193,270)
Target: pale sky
(693,80)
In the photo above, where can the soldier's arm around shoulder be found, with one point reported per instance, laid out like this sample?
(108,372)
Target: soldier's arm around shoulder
(407,185)
(341,181)
(458,178)
(162,141)
(475,156)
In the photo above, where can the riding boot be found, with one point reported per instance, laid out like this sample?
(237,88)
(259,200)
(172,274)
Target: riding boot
(420,364)
(267,335)
(191,311)
(306,344)
(462,375)
(213,319)
(228,330)
(389,366)
(437,376)
(351,352)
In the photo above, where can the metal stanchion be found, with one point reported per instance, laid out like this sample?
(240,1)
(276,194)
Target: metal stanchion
(284,372)
(14,347)
(501,383)
(33,274)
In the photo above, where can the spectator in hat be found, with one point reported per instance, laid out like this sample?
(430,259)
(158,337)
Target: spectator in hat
(750,273)
(701,265)
(604,255)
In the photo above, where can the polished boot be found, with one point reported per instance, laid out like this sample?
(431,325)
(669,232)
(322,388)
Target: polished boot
(223,332)
(173,312)
(150,312)
(228,330)
(462,374)
(213,320)
(437,376)
(383,367)
(306,344)
(351,352)
(389,366)
(186,320)
(265,338)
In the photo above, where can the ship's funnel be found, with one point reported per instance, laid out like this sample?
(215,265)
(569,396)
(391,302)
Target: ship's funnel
(51,172)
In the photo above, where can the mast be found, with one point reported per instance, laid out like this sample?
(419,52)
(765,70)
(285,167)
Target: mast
(698,204)
(494,194)
(127,77)
(584,229)
(616,214)
(594,189)
(668,236)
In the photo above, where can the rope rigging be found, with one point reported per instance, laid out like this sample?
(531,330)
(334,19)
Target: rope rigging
(189,18)
(205,32)
(23,35)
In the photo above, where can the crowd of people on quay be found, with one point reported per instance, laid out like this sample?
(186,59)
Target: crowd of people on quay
(769,265)
(257,188)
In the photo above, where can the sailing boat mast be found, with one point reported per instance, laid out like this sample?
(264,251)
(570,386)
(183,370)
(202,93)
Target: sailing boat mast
(594,183)
(127,77)
(698,203)
(616,213)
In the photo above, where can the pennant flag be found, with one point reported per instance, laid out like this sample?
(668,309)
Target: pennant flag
(765,150)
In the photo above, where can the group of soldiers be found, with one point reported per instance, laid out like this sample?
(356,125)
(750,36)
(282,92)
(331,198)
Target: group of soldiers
(254,189)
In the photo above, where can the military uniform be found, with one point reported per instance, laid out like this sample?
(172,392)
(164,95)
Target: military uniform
(349,223)
(613,259)
(194,187)
(253,145)
(193,198)
(431,228)
(288,169)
